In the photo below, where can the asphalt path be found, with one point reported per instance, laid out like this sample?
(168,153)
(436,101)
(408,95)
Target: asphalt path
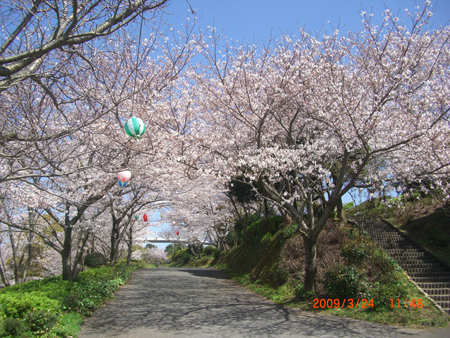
(196,302)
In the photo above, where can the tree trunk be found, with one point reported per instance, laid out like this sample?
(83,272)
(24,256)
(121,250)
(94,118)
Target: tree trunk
(2,268)
(66,255)
(311,263)
(266,209)
(114,245)
(341,212)
(130,245)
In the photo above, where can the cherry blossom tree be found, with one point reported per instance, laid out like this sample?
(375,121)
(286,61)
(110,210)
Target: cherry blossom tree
(34,30)
(56,160)
(305,120)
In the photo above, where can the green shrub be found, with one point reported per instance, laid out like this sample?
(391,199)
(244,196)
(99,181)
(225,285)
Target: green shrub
(232,238)
(16,305)
(344,282)
(209,250)
(182,256)
(95,260)
(40,321)
(13,327)
(356,251)
(299,290)
(383,293)
(255,232)
(266,238)
(217,254)
(382,268)
(291,229)
(280,276)
(35,308)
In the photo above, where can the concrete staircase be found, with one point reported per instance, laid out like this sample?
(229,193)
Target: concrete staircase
(427,271)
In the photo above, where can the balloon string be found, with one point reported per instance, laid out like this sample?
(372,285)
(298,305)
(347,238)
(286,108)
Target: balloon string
(137,65)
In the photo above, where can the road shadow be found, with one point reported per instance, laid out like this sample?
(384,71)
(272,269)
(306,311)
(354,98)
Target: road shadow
(170,302)
(206,273)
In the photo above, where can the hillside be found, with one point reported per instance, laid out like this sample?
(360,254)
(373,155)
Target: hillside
(270,261)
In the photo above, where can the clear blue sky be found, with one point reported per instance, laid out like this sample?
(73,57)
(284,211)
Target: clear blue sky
(255,19)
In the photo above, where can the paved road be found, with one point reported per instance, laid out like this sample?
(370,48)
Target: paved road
(194,302)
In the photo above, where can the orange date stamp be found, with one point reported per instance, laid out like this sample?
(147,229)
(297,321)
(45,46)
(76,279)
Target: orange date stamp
(337,303)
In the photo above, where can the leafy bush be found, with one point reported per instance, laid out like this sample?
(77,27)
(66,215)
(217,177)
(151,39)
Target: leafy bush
(209,250)
(266,238)
(344,282)
(255,232)
(16,305)
(291,229)
(368,273)
(95,260)
(40,321)
(36,308)
(232,238)
(280,276)
(13,327)
(299,290)
(217,254)
(182,256)
(355,252)
(383,293)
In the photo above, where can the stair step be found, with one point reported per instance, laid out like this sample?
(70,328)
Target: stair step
(438,292)
(433,285)
(442,298)
(419,265)
(431,279)
(429,274)
(444,305)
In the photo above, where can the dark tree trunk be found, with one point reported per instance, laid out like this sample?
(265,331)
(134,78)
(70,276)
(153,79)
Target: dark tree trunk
(266,209)
(311,263)
(130,245)
(341,212)
(113,256)
(66,255)
(2,268)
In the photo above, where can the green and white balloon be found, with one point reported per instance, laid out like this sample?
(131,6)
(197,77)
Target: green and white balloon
(135,127)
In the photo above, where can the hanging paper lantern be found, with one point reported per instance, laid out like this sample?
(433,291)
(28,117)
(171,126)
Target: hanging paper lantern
(173,223)
(124,177)
(135,127)
(145,218)
(178,234)
(136,217)
(182,223)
